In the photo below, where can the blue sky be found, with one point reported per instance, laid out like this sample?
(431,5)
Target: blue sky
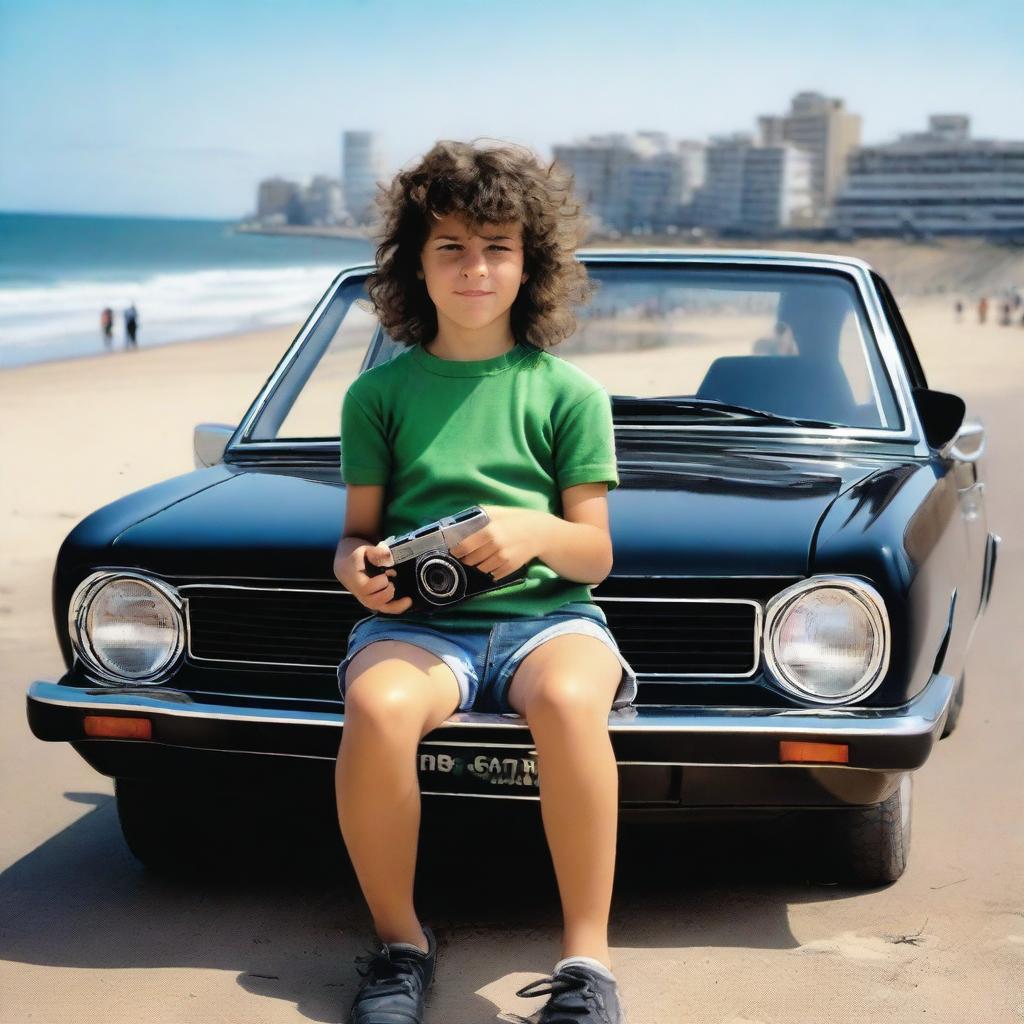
(178,108)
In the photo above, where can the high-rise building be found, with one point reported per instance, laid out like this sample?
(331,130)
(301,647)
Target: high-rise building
(362,166)
(632,182)
(599,165)
(719,202)
(939,181)
(777,188)
(824,128)
(754,188)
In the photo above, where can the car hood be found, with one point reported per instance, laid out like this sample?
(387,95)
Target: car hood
(673,514)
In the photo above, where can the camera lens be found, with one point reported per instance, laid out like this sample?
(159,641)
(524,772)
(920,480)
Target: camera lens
(440,578)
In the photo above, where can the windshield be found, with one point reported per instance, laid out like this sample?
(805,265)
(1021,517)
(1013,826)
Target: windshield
(670,343)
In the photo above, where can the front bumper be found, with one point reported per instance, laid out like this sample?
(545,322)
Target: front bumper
(668,755)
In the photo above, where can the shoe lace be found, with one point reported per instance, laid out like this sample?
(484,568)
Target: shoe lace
(386,977)
(572,996)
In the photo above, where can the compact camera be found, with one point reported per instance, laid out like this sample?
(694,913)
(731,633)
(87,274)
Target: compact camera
(428,572)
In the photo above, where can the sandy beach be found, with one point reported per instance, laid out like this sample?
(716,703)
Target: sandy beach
(83,432)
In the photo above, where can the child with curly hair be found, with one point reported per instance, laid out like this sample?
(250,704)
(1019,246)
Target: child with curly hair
(476,275)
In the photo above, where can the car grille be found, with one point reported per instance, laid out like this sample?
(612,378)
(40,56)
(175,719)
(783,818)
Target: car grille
(685,636)
(272,626)
(668,629)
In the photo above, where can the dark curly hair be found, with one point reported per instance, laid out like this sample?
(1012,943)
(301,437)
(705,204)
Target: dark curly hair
(482,186)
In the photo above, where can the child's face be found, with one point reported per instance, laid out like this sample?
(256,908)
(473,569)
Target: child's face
(454,261)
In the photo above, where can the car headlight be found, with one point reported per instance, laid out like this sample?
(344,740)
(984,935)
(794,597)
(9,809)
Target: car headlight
(826,639)
(126,626)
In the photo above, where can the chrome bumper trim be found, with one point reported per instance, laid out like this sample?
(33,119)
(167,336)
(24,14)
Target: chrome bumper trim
(920,716)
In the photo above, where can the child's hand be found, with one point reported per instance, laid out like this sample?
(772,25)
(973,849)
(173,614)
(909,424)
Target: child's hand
(510,540)
(373,592)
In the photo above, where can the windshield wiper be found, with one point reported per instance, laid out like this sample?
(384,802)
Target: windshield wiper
(672,404)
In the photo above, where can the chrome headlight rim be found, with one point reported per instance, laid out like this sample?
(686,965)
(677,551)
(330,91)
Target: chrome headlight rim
(872,603)
(78,609)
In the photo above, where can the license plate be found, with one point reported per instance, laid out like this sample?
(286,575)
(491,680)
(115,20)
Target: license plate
(508,771)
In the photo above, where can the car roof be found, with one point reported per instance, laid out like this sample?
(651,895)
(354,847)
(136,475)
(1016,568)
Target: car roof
(686,253)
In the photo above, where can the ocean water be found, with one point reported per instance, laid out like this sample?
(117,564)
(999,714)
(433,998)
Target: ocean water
(187,278)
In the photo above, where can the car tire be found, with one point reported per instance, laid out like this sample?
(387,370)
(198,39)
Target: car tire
(171,830)
(954,707)
(872,844)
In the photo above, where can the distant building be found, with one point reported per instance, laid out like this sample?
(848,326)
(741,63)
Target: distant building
(777,188)
(362,166)
(754,189)
(319,202)
(826,130)
(637,182)
(938,181)
(654,183)
(277,201)
(597,164)
(719,203)
(693,161)
(322,201)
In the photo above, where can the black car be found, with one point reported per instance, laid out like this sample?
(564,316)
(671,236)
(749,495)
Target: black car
(801,560)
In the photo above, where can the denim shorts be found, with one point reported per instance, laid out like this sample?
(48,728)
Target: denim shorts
(484,660)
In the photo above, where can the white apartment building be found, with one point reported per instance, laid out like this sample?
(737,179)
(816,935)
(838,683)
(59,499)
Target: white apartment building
(719,203)
(940,181)
(826,130)
(754,188)
(633,182)
(693,161)
(777,188)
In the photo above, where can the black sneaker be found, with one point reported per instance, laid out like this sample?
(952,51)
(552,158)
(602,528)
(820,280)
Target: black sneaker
(398,975)
(578,995)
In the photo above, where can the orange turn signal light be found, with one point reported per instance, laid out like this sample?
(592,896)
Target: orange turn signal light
(110,727)
(797,750)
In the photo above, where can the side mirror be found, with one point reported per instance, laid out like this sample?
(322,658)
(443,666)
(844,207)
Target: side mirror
(969,442)
(945,427)
(208,443)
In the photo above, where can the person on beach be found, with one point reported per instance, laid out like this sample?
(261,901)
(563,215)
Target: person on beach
(958,308)
(131,326)
(476,276)
(982,309)
(107,326)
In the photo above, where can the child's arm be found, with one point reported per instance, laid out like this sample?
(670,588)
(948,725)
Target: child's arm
(364,504)
(578,546)
(362,530)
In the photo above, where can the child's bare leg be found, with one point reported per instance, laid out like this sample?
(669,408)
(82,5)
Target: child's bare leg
(564,688)
(396,693)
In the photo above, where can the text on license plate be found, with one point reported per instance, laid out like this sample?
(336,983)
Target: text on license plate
(489,768)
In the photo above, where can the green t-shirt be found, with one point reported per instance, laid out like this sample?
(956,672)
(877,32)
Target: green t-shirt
(444,434)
